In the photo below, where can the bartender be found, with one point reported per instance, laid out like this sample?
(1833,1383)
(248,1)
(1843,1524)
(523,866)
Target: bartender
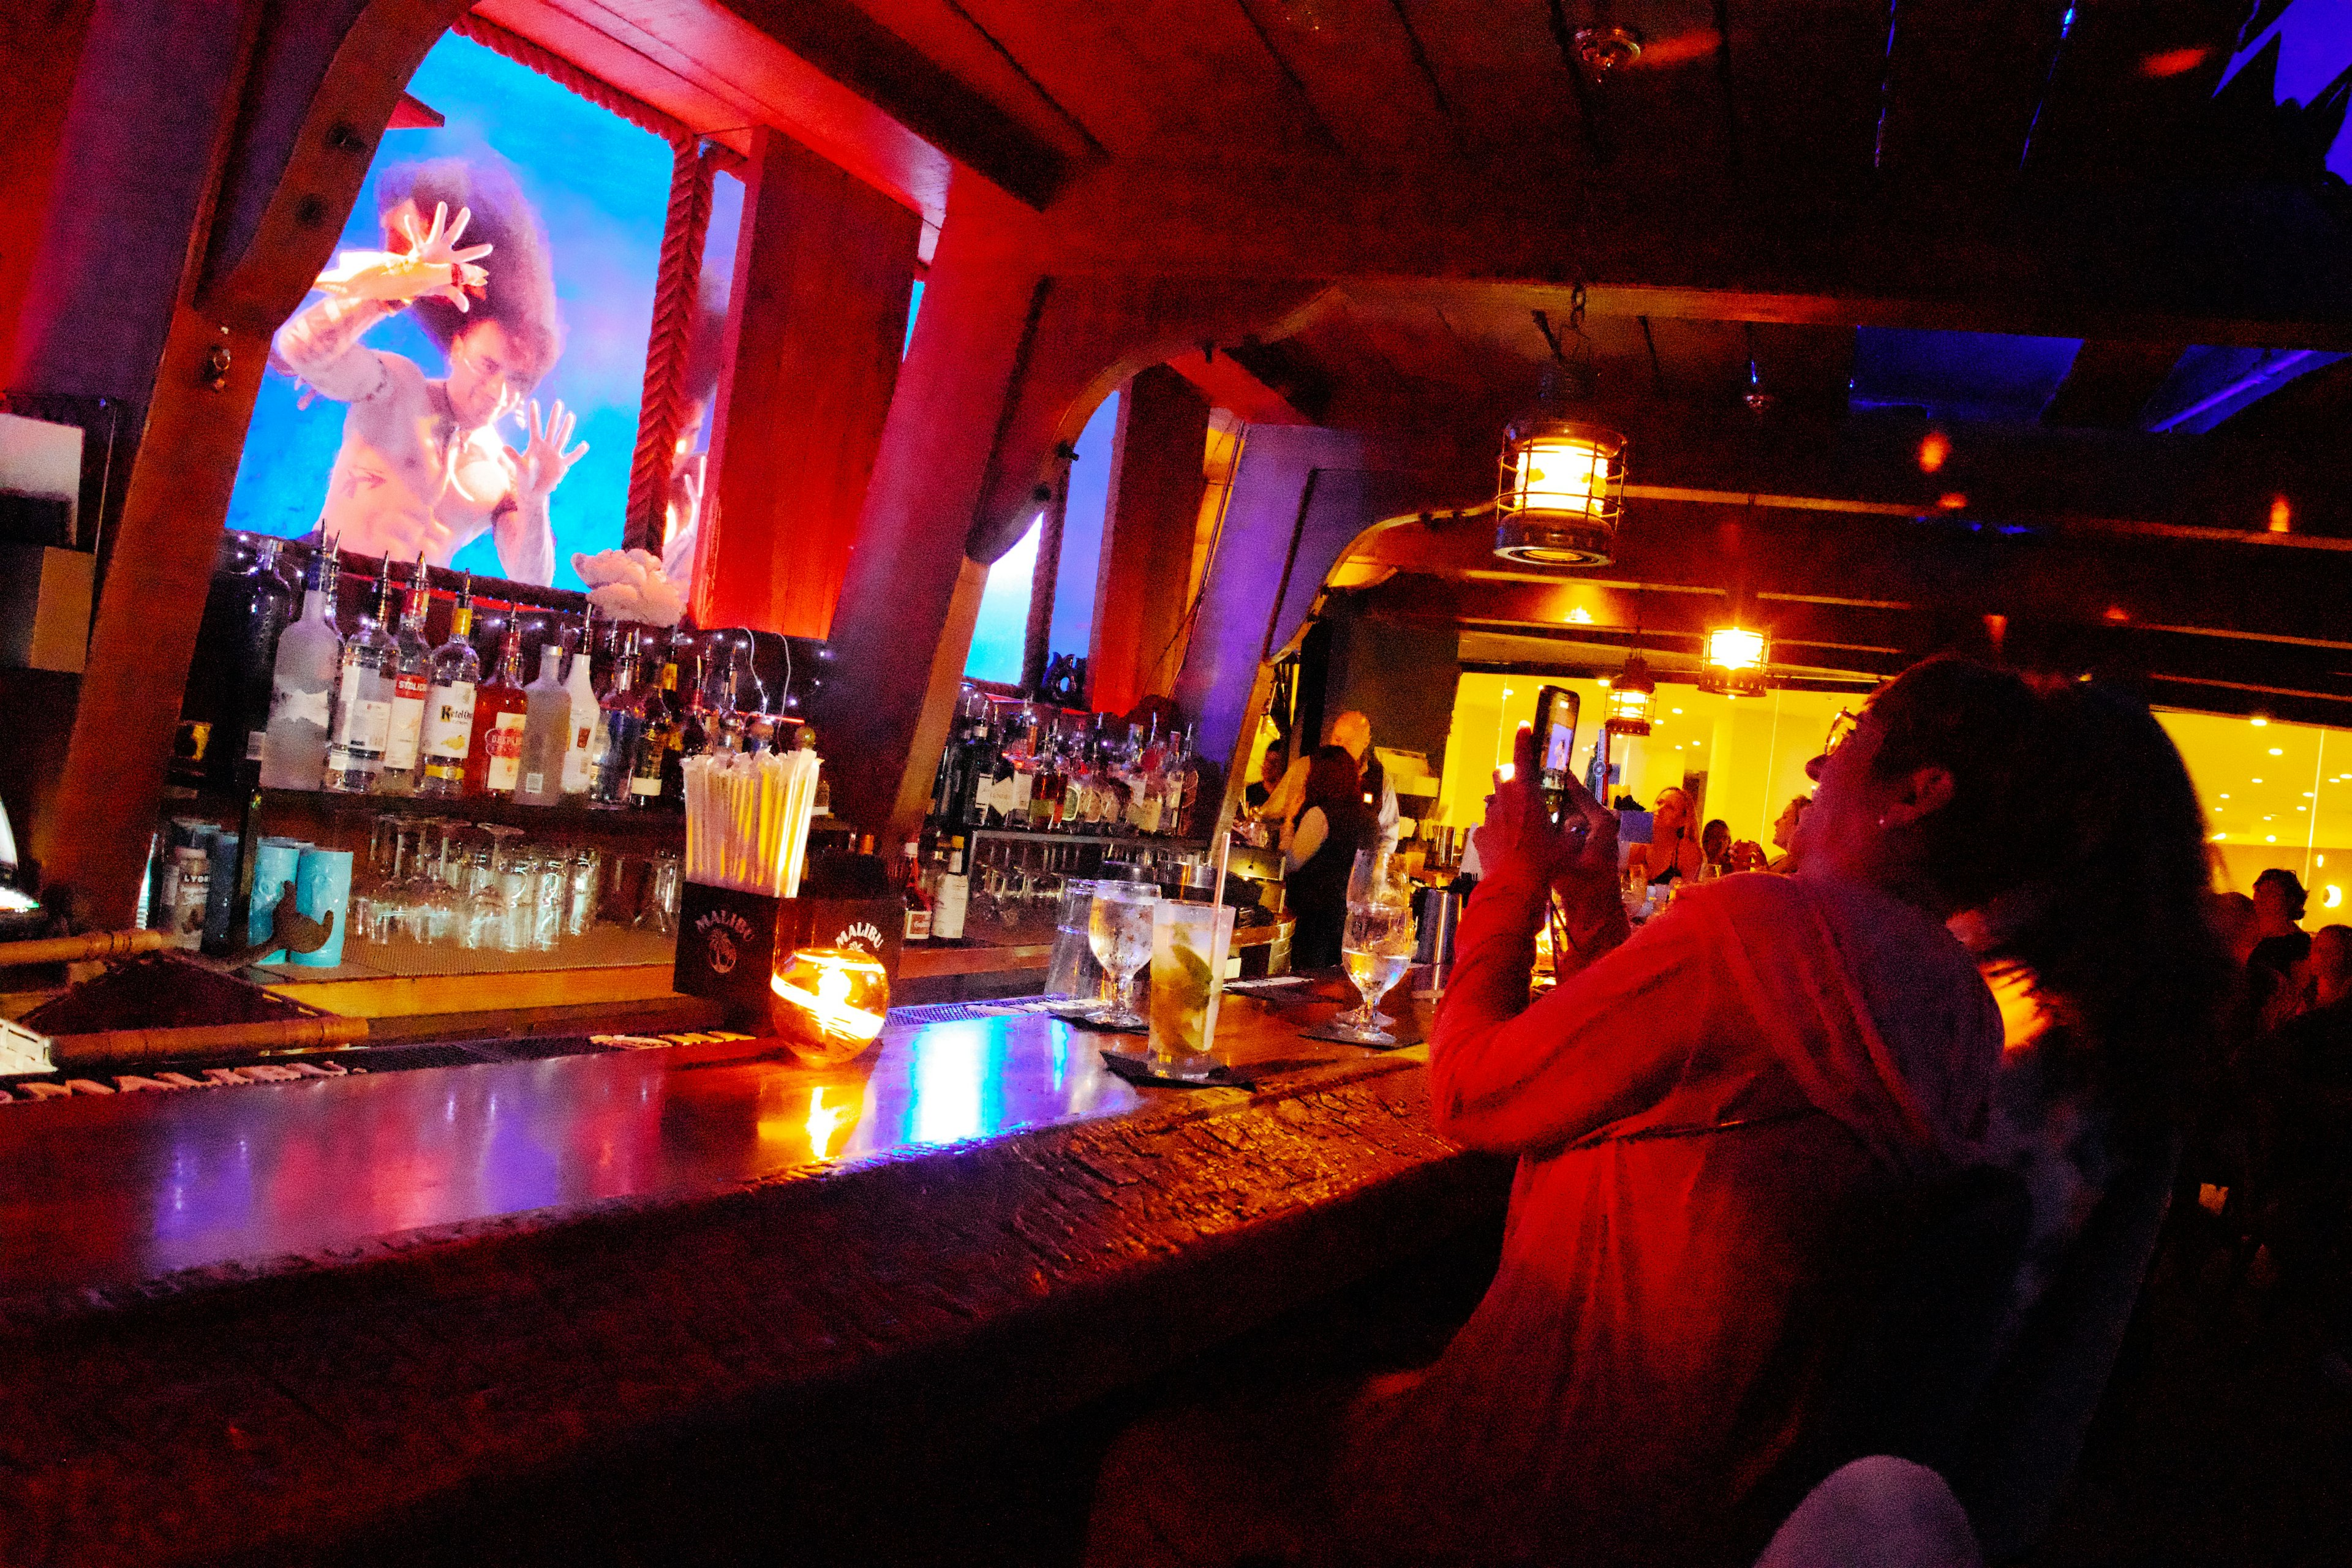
(1352,732)
(1319,855)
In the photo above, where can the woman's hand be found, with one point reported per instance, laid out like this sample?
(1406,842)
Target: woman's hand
(432,265)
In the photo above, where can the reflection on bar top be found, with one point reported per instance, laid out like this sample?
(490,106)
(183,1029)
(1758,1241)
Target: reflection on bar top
(111,1191)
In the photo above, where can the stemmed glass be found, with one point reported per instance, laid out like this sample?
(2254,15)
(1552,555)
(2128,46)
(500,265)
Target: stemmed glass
(1377,945)
(1119,928)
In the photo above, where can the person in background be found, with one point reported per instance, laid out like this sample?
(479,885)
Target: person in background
(1714,845)
(2275,968)
(1353,731)
(2237,924)
(1269,778)
(1672,853)
(1318,854)
(2303,1149)
(422,470)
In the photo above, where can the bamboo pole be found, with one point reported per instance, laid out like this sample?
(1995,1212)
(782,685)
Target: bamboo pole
(81,948)
(73,1051)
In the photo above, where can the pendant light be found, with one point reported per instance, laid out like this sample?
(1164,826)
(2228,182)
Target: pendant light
(1736,661)
(1563,485)
(1629,699)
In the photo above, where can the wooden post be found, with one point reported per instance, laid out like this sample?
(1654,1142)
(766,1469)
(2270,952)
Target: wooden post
(1045,580)
(823,276)
(1148,536)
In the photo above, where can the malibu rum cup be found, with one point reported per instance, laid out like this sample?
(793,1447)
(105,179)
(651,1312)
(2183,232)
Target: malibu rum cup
(1189,943)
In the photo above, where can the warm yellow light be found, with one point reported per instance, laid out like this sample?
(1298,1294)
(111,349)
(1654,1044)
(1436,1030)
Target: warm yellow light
(831,1003)
(2332,898)
(2281,515)
(1561,474)
(1561,492)
(1580,617)
(1735,661)
(2275,752)
(2269,837)
(2259,721)
(824,1121)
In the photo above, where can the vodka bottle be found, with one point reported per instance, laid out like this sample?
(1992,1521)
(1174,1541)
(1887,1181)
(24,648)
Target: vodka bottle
(259,604)
(363,694)
(455,669)
(585,715)
(412,682)
(302,685)
(621,721)
(546,731)
(494,751)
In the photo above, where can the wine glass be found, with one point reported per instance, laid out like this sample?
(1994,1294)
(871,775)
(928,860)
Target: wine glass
(1119,928)
(1377,943)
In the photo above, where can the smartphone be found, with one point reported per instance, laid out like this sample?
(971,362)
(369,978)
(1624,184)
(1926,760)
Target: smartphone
(1557,710)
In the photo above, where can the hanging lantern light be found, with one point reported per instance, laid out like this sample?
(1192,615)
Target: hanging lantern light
(1561,490)
(1629,699)
(1736,661)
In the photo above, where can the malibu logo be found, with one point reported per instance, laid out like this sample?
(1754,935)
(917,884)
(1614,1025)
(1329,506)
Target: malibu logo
(863,934)
(724,934)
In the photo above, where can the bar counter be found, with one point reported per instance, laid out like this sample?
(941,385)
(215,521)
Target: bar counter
(267,1323)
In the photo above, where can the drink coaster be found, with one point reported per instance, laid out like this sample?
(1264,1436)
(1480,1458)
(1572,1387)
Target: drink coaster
(1138,1070)
(1079,1018)
(1401,1032)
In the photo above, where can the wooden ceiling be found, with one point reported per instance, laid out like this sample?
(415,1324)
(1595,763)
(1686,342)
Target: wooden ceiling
(1768,184)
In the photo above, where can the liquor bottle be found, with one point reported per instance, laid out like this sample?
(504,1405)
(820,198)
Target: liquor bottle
(243,616)
(494,750)
(578,748)
(676,718)
(911,893)
(450,679)
(411,681)
(954,895)
(621,722)
(979,783)
(652,752)
(546,731)
(363,692)
(302,685)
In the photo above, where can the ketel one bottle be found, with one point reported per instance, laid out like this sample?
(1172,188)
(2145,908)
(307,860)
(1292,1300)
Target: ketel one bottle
(455,670)
(546,732)
(579,747)
(494,754)
(362,726)
(302,685)
(411,681)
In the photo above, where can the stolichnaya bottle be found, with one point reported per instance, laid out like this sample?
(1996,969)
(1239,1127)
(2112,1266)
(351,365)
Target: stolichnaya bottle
(302,685)
(454,673)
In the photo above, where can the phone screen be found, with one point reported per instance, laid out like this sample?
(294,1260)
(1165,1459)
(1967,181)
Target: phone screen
(1556,716)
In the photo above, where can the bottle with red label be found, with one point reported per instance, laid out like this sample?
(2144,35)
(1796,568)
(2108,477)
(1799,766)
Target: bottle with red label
(412,677)
(494,756)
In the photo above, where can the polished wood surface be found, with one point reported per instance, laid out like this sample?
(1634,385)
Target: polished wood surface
(118,1191)
(285,1322)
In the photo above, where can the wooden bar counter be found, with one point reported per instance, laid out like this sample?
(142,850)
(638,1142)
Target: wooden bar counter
(271,1323)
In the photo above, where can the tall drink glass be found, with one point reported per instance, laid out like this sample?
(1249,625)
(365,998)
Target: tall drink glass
(1189,943)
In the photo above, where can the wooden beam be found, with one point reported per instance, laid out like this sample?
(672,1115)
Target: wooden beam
(1147,547)
(817,318)
(2261,266)
(888,71)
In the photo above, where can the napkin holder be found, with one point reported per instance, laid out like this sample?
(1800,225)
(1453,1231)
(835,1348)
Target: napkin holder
(729,942)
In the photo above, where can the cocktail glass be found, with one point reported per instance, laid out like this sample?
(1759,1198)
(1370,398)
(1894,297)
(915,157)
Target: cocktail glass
(1119,927)
(1189,943)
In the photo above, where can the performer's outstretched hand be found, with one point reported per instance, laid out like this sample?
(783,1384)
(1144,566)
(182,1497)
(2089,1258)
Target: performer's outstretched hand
(432,266)
(541,465)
